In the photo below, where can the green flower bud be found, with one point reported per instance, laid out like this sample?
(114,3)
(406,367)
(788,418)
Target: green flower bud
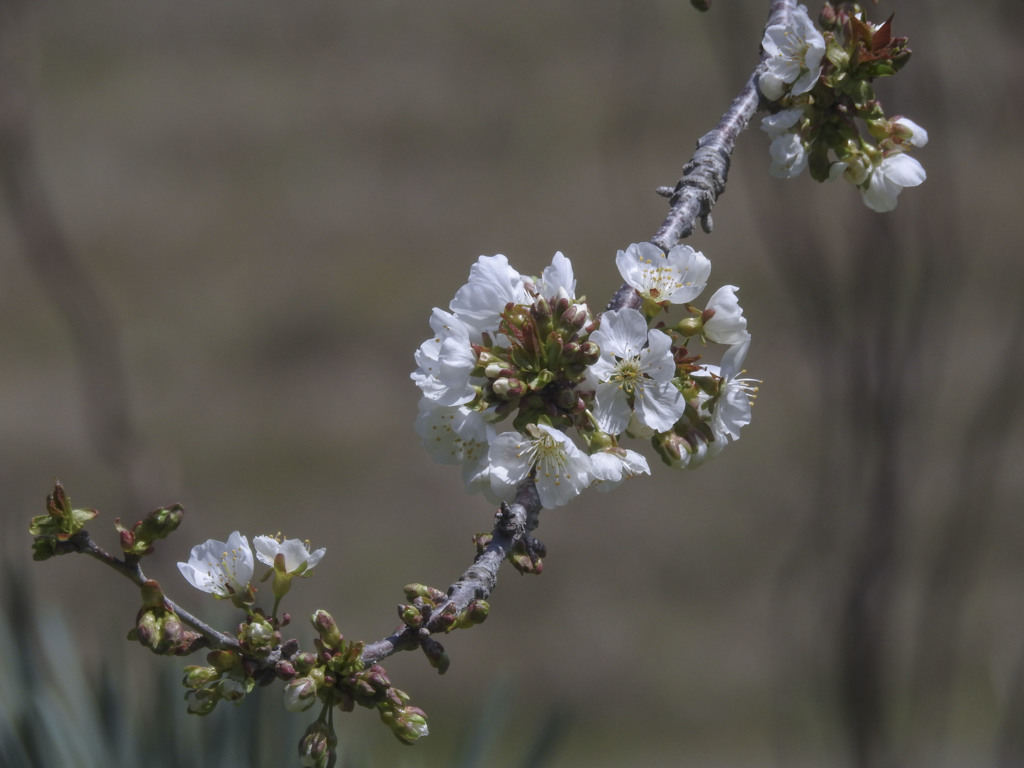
(410,616)
(197,676)
(257,636)
(158,524)
(412,591)
(476,612)
(59,524)
(304,662)
(410,725)
(201,701)
(223,661)
(692,325)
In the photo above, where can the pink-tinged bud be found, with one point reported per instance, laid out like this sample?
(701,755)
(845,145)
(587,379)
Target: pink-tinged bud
(327,628)
(575,317)
(828,18)
(285,670)
(590,352)
(316,748)
(436,655)
(304,661)
(127,540)
(508,388)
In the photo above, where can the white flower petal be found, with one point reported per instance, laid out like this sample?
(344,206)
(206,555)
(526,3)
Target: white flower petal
(492,285)
(727,325)
(676,277)
(218,567)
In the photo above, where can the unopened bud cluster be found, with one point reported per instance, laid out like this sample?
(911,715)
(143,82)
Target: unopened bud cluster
(567,387)
(820,86)
(430,611)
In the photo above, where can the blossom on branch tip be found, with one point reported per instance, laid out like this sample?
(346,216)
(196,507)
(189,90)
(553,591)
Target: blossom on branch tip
(562,469)
(221,568)
(674,278)
(794,53)
(296,553)
(633,374)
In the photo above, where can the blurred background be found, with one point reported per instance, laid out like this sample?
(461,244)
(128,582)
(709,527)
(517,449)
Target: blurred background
(225,225)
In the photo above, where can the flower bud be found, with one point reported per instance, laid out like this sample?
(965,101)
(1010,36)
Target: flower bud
(412,591)
(304,661)
(316,747)
(575,317)
(410,615)
(234,690)
(589,352)
(476,612)
(197,676)
(300,694)
(60,522)
(223,661)
(257,636)
(436,654)
(201,701)
(410,725)
(328,630)
(508,388)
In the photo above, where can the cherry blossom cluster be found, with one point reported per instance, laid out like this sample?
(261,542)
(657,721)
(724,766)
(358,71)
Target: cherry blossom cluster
(826,116)
(522,381)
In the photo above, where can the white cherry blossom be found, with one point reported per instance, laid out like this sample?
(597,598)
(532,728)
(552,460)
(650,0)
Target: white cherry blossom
(445,361)
(562,469)
(787,149)
(727,325)
(889,178)
(458,435)
(732,407)
(295,551)
(676,277)
(794,54)
(222,568)
(635,369)
(492,285)
(612,466)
